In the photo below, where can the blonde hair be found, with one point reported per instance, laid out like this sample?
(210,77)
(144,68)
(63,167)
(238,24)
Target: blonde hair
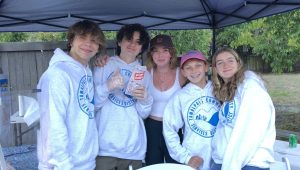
(173,60)
(226,91)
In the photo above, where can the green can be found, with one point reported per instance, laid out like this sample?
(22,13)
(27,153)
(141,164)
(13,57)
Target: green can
(293,141)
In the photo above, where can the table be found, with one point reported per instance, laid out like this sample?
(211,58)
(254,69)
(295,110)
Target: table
(15,118)
(167,166)
(282,149)
(18,133)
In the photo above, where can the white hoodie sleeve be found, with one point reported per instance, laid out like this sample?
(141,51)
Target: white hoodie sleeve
(101,89)
(55,95)
(255,119)
(172,122)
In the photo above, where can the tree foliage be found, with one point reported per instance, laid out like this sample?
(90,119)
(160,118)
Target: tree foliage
(188,40)
(276,39)
(47,36)
(13,37)
(32,36)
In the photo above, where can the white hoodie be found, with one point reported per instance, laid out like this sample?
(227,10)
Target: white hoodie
(120,119)
(68,134)
(196,110)
(246,131)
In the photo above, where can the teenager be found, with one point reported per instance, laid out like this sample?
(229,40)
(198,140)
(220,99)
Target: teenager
(67,125)
(122,136)
(195,109)
(167,79)
(246,132)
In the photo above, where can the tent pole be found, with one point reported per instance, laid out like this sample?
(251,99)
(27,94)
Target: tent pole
(213,50)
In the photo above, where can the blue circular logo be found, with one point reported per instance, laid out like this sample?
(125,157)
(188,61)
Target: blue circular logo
(203,116)
(85,96)
(228,113)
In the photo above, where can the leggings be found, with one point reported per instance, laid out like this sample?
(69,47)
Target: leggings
(157,151)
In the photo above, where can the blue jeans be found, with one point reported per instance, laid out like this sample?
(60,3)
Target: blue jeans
(215,166)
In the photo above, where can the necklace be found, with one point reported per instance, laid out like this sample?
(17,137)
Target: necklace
(162,79)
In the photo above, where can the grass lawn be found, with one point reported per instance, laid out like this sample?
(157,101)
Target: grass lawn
(283,88)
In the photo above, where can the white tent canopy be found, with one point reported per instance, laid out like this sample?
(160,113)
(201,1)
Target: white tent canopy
(58,15)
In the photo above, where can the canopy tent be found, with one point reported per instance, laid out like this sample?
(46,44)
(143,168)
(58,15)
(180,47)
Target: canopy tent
(57,15)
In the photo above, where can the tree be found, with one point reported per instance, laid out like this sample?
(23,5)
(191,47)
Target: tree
(281,43)
(189,40)
(47,36)
(42,36)
(13,37)
(276,39)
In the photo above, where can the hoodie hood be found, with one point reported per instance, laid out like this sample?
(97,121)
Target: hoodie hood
(251,76)
(192,89)
(61,56)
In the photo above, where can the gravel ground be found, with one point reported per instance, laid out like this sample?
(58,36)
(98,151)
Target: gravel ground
(21,157)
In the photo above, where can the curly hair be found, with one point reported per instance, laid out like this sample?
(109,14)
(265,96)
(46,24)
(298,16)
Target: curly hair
(127,32)
(225,91)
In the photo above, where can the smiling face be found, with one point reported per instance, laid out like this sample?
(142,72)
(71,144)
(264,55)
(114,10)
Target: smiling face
(161,56)
(194,70)
(226,65)
(83,48)
(130,48)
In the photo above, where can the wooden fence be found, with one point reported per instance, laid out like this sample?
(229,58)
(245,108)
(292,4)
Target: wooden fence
(23,64)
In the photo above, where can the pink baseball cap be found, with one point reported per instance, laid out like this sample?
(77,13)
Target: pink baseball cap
(192,55)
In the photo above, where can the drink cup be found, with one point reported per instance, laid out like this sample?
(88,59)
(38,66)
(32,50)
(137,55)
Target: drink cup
(293,141)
